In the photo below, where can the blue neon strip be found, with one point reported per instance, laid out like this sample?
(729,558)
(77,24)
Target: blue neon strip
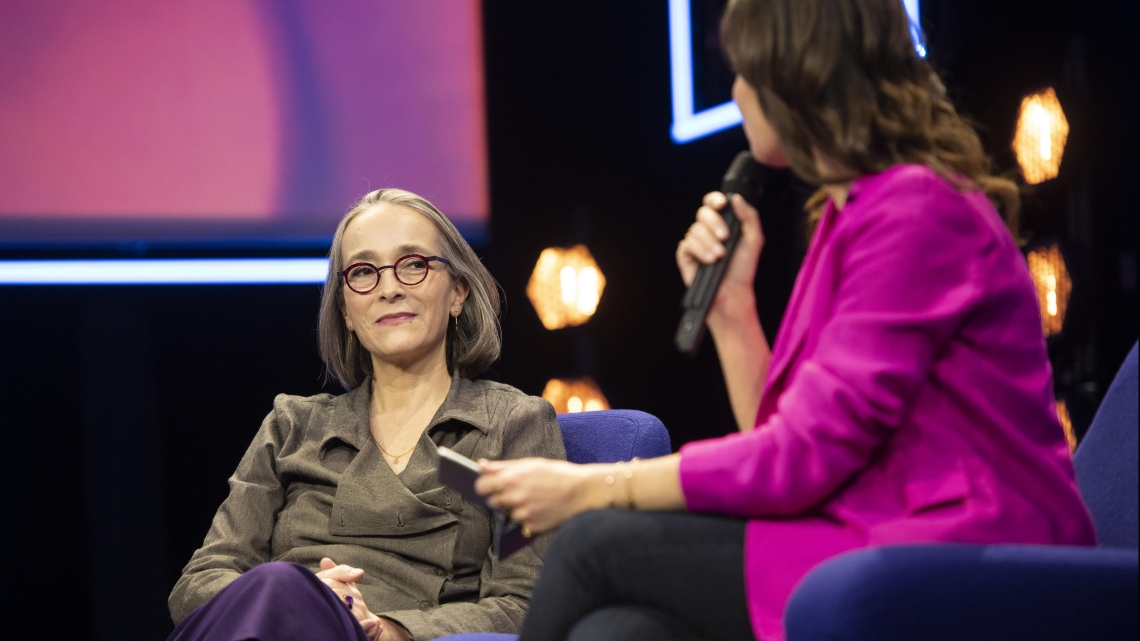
(689,126)
(238,271)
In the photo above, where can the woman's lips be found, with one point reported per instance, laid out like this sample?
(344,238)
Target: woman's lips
(395,319)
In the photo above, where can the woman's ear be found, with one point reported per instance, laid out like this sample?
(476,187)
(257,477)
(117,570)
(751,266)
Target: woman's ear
(343,313)
(460,289)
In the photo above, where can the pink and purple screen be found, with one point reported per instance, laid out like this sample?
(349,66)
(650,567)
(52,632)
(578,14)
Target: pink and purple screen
(234,120)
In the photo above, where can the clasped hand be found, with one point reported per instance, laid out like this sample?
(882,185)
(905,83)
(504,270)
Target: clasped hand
(342,579)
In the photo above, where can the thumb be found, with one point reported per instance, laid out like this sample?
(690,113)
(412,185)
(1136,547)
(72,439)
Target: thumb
(750,226)
(491,467)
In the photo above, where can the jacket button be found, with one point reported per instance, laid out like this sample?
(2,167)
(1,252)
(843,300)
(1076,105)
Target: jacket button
(425,605)
(439,572)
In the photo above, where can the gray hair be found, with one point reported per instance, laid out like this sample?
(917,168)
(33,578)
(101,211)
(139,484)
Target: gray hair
(473,342)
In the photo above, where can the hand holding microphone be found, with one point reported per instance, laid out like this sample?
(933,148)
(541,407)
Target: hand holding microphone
(717,257)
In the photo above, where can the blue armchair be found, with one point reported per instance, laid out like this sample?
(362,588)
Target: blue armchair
(1006,592)
(606,436)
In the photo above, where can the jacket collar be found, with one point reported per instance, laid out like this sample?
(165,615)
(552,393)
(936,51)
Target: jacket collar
(466,402)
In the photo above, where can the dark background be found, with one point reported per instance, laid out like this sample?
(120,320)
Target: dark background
(125,409)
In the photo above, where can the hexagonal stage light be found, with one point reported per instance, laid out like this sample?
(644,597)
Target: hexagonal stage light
(575,395)
(1039,139)
(1051,278)
(565,287)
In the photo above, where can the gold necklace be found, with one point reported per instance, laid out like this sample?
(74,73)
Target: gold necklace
(395,457)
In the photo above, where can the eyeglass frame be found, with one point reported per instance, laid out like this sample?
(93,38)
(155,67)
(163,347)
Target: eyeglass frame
(343,274)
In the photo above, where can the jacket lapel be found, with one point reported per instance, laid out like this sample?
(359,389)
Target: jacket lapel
(798,316)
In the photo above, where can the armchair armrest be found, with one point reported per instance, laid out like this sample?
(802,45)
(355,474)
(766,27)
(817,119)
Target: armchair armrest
(977,592)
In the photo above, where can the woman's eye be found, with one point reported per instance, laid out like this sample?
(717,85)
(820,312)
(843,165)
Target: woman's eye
(363,270)
(416,263)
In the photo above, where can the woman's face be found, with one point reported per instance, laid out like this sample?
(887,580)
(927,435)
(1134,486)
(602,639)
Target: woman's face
(399,324)
(762,139)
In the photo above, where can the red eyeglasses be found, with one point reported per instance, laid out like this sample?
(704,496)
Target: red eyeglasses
(409,270)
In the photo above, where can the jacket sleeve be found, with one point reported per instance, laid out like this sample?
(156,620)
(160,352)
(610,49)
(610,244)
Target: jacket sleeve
(239,537)
(904,285)
(505,587)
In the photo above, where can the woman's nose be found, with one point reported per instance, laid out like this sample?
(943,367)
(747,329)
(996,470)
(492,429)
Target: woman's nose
(389,288)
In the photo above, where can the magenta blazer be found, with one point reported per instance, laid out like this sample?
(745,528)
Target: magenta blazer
(909,397)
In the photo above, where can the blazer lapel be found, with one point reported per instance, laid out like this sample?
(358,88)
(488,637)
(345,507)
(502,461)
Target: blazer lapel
(799,314)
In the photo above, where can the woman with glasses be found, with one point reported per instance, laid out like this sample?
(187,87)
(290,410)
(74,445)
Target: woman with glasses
(335,526)
(908,397)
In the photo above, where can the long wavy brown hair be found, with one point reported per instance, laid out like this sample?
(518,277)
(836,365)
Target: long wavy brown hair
(842,77)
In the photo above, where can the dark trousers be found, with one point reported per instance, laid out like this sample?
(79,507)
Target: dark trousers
(642,576)
(273,601)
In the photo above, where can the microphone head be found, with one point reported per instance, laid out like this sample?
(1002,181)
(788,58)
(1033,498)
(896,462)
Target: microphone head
(745,176)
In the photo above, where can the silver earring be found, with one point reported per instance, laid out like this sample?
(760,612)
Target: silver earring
(456,317)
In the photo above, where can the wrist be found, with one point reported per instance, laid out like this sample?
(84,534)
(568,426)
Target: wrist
(594,492)
(734,304)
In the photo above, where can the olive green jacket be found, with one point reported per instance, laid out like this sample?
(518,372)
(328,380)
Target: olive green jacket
(313,484)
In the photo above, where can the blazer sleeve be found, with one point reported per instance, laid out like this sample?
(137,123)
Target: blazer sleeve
(531,429)
(904,285)
(239,537)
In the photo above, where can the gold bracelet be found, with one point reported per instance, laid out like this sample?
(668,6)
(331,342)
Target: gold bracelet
(627,485)
(610,490)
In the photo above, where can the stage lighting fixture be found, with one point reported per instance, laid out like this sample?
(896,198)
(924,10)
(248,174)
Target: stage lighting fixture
(1066,425)
(1039,139)
(1054,286)
(565,287)
(575,395)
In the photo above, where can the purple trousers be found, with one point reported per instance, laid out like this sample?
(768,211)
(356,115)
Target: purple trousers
(272,602)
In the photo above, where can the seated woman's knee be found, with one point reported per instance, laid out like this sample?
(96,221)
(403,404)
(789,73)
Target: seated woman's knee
(595,530)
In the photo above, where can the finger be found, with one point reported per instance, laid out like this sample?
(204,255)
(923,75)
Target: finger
(511,499)
(498,466)
(351,574)
(701,246)
(520,515)
(490,466)
(714,199)
(372,627)
(327,563)
(748,215)
(504,500)
(713,219)
(351,590)
(485,485)
(342,573)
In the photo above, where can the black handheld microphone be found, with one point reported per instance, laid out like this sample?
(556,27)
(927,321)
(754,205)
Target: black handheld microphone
(745,177)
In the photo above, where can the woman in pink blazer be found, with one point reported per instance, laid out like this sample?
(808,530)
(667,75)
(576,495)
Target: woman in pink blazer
(908,399)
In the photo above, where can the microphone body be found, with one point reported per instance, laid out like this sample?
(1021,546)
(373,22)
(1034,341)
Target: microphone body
(745,177)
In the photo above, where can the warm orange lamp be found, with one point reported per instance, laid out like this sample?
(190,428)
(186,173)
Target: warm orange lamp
(575,395)
(1054,286)
(565,287)
(1067,425)
(1039,139)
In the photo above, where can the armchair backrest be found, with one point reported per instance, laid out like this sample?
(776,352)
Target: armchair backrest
(608,436)
(1106,462)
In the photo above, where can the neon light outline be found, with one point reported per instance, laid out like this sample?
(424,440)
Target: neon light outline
(235,271)
(689,126)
